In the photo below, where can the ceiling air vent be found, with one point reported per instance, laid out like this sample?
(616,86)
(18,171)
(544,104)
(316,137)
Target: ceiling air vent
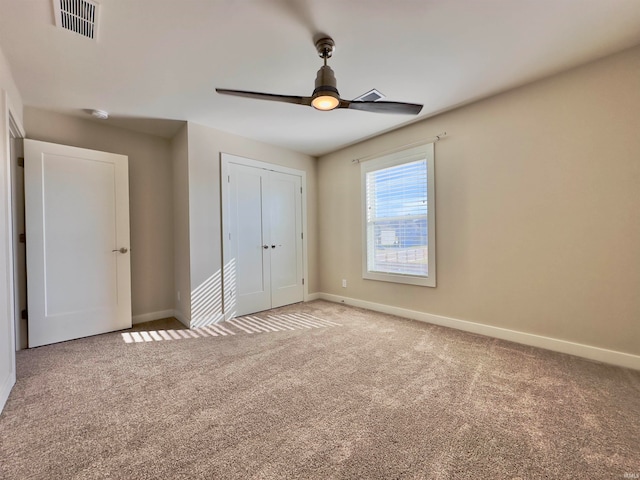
(79,16)
(371,96)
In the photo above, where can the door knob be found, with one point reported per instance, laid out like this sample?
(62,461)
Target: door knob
(121,250)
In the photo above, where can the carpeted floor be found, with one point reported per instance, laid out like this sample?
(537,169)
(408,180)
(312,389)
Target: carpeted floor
(316,390)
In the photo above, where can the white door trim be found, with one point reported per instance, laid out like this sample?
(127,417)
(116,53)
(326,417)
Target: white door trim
(9,127)
(16,131)
(225,160)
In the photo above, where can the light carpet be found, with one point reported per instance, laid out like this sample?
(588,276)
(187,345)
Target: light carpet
(332,392)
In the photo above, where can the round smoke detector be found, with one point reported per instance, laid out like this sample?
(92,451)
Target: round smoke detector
(101,114)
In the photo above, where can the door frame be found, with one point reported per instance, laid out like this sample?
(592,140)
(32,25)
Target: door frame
(17,132)
(10,126)
(18,225)
(225,160)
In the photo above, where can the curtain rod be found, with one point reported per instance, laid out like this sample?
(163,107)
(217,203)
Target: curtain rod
(401,147)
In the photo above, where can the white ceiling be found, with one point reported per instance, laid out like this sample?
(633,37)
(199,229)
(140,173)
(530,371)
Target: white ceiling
(156,61)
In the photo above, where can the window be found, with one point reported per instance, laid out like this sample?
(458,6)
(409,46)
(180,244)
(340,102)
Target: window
(399,224)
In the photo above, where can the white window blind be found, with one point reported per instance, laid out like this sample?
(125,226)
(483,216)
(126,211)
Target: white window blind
(397,219)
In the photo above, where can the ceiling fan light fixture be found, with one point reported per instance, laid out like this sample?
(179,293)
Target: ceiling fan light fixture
(325,101)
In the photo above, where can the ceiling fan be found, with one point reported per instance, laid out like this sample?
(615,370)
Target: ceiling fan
(325,96)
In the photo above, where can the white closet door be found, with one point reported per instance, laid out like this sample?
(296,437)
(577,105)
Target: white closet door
(286,238)
(77,228)
(263,242)
(249,236)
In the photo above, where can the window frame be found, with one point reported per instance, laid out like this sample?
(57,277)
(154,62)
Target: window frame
(422,152)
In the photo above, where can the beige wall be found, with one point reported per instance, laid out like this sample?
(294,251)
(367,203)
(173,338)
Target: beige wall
(537,200)
(181,262)
(205,146)
(8,85)
(150,197)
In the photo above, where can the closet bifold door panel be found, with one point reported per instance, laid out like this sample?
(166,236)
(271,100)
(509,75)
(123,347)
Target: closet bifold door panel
(285,227)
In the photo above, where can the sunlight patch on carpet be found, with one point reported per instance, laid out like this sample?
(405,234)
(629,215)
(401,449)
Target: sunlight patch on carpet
(248,324)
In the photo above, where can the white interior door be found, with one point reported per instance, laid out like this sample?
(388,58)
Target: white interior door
(77,229)
(263,247)
(248,239)
(285,227)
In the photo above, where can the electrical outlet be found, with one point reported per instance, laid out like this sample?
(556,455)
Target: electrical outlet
(178,296)
(344,283)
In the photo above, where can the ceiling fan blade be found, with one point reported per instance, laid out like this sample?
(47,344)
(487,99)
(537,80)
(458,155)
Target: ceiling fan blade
(267,96)
(382,107)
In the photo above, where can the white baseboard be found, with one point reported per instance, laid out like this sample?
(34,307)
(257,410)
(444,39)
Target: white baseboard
(312,296)
(586,351)
(151,316)
(9,382)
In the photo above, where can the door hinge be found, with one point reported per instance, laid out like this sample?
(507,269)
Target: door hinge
(24,315)
(303,281)
(21,161)
(22,238)
(302,236)
(300,189)
(228,178)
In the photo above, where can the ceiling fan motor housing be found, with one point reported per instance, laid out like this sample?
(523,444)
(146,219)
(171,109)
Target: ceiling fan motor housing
(326,83)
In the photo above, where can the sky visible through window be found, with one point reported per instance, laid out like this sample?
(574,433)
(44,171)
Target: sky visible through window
(399,191)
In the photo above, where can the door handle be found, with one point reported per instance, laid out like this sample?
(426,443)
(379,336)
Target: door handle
(121,250)
(273,246)
(265,246)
